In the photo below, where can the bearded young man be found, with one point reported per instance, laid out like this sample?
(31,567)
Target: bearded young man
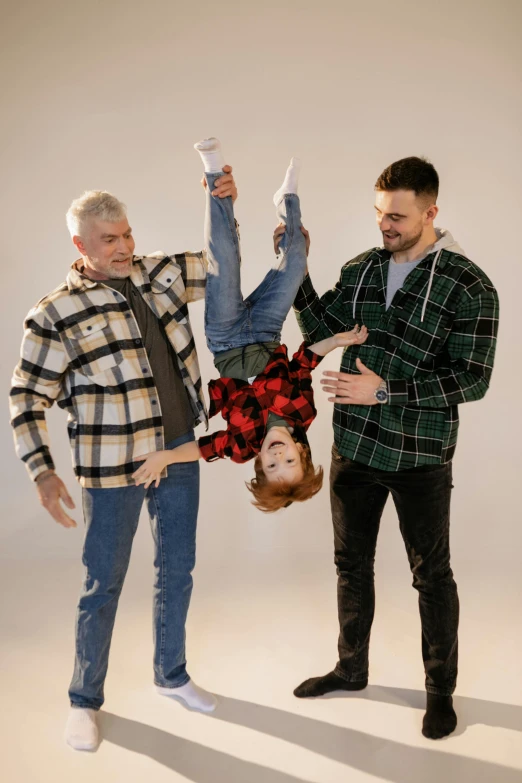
(432,317)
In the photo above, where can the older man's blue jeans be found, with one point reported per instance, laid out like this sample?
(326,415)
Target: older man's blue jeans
(111,519)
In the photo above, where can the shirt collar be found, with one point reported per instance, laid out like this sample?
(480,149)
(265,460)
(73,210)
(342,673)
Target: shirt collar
(78,281)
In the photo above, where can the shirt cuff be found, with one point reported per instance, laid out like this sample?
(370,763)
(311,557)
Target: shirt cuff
(313,358)
(398,392)
(39,462)
(206,449)
(307,358)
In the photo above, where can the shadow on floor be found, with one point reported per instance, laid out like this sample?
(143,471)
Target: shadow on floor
(471,712)
(194,761)
(385,759)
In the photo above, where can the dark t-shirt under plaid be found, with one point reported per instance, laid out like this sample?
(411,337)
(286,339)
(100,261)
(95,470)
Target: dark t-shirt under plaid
(175,407)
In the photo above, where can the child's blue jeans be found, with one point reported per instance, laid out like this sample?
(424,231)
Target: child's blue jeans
(230,320)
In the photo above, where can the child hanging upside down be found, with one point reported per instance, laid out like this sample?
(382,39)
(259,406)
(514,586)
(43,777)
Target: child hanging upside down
(266,399)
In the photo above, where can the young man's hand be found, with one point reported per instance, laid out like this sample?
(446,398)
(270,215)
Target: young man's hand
(352,389)
(153,466)
(225,185)
(280,230)
(51,490)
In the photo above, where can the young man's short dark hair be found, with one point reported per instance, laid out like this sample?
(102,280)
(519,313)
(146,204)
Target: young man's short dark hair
(416,174)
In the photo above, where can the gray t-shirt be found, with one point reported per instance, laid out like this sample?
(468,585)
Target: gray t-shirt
(277,421)
(176,410)
(397,274)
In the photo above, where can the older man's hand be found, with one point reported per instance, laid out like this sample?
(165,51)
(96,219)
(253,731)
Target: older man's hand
(225,185)
(51,490)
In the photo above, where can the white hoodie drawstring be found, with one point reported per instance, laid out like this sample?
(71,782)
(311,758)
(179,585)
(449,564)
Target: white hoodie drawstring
(430,283)
(360,284)
(432,273)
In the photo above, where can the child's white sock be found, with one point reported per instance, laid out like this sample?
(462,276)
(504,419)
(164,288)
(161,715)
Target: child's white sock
(192,696)
(81,730)
(210,151)
(290,182)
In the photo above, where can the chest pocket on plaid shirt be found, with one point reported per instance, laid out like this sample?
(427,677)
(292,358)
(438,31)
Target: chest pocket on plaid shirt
(416,344)
(92,346)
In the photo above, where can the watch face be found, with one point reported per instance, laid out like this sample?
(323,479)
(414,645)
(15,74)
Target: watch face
(381,395)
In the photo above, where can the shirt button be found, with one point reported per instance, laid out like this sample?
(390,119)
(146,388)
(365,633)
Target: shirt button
(169,280)
(89,328)
(153,402)
(158,434)
(137,342)
(127,315)
(144,369)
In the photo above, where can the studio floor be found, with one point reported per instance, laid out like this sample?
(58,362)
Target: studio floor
(258,626)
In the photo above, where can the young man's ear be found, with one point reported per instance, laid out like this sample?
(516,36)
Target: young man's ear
(431,213)
(299,446)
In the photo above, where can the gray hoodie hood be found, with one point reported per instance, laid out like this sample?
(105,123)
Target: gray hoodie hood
(444,241)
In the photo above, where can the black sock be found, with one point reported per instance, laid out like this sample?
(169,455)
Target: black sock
(440,718)
(318,686)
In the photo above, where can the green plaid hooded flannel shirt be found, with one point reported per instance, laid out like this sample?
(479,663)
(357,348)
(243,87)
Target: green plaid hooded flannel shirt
(434,346)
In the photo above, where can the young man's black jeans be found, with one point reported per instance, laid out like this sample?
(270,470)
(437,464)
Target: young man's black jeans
(422,499)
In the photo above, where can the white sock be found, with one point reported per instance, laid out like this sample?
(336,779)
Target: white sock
(192,696)
(290,181)
(81,730)
(211,155)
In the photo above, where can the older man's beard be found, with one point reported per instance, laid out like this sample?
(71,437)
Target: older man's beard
(118,271)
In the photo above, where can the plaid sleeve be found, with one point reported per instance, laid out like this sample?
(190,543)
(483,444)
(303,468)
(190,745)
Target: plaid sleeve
(303,362)
(215,446)
(300,373)
(470,348)
(36,383)
(319,318)
(194,272)
(216,388)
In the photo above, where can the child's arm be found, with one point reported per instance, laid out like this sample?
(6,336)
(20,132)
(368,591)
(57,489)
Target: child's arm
(308,356)
(355,337)
(155,463)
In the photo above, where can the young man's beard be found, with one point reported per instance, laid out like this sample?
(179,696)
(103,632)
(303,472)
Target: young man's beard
(405,243)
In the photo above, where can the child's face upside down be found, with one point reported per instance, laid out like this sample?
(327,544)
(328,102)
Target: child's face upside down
(281,456)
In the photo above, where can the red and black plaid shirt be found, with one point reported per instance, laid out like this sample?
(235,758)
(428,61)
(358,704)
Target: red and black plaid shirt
(284,388)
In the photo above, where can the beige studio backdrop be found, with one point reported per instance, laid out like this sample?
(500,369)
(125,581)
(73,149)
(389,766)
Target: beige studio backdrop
(114,94)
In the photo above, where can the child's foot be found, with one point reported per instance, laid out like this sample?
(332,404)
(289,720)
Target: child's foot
(81,731)
(211,155)
(290,182)
(319,686)
(440,718)
(191,696)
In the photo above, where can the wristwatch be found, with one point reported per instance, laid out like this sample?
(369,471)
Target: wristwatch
(381,393)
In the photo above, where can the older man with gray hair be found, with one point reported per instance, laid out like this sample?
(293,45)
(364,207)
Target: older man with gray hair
(113,346)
